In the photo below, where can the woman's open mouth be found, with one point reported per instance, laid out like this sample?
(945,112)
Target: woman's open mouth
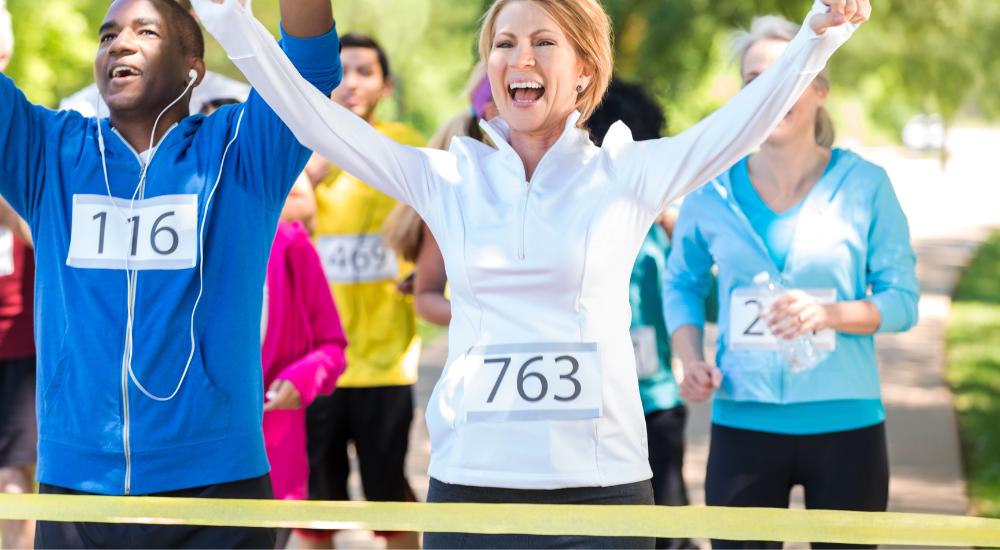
(525,93)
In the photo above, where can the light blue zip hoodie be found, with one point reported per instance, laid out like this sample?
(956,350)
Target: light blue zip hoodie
(852,236)
(98,432)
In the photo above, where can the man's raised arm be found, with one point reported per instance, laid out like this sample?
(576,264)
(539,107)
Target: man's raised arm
(303,18)
(306,18)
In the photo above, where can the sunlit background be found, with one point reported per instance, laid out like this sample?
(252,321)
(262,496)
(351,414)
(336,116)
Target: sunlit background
(917,90)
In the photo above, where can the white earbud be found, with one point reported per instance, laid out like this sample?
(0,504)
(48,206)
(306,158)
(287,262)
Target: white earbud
(192,76)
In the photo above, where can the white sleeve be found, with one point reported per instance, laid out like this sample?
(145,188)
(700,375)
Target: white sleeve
(405,173)
(663,170)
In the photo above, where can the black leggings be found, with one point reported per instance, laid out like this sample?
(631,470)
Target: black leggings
(665,431)
(640,493)
(839,471)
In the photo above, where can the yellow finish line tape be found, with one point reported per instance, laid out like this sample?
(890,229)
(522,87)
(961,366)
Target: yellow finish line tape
(637,521)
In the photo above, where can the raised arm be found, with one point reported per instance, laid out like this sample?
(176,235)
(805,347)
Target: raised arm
(405,173)
(23,145)
(306,18)
(662,170)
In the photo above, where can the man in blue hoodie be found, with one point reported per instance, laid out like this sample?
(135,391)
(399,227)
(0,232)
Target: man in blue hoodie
(152,231)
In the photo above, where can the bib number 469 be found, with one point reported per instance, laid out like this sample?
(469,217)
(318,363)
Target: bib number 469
(528,382)
(356,258)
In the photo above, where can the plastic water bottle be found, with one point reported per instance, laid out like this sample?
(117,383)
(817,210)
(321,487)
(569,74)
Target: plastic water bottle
(800,353)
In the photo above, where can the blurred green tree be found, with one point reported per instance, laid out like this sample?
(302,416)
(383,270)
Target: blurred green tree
(54,47)
(914,56)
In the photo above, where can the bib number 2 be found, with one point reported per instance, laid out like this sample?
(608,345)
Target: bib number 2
(528,382)
(748,330)
(157,233)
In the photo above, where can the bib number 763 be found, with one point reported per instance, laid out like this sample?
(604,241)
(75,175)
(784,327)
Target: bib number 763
(526,382)
(156,233)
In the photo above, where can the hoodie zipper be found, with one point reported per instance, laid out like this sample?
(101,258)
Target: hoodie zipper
(125,431)
(126,413)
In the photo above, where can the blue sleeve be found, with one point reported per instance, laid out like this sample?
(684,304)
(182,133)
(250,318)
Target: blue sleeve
(689,272)
(892,262)
(268,151)
(23,127)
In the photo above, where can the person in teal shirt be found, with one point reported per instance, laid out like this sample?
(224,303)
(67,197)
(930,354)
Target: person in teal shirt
(666,415)
(826,224)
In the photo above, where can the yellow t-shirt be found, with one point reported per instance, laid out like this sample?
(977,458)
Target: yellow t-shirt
(380,323)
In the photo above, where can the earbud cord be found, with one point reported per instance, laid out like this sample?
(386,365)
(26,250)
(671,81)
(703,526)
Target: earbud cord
(201,274)
(132,275)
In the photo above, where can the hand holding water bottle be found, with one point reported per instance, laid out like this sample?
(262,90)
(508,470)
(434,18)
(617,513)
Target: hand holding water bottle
(796,314)
(792,318)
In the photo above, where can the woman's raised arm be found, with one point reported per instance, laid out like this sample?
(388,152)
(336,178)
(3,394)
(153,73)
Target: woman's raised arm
(405,173)
(663,170)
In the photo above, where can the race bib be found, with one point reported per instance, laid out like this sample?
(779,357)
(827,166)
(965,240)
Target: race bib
(356,258)
(157,233)
(748,331)
(6,251)
(530,382)
(647,356)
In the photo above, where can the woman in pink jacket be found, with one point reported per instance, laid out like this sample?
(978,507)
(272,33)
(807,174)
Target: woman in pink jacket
(303,353)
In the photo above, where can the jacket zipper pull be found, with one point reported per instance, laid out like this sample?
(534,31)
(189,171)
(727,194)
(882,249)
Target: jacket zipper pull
(524,221)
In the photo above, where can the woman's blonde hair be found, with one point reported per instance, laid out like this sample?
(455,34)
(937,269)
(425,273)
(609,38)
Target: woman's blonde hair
(587,26)
(403,231)
(773,27)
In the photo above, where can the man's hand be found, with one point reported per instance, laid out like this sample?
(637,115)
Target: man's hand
(700,381)
(282,396)
(841,11)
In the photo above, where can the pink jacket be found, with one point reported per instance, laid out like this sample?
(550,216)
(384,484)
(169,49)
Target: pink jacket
(304,344)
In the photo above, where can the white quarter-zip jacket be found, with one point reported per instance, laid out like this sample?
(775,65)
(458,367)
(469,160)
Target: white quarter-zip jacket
(540,390)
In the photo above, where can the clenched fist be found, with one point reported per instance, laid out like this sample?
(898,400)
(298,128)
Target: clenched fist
(841,11)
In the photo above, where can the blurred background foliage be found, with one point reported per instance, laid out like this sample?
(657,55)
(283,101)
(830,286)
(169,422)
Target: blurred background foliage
(915,56)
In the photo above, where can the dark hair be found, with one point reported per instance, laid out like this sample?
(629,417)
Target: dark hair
(184,24)
(358,40)
(213,105)
(631,104)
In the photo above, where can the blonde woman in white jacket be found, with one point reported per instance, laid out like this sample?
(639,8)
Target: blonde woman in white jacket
(538,402)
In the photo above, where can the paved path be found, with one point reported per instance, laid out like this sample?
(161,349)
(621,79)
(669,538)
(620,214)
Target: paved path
(950,213)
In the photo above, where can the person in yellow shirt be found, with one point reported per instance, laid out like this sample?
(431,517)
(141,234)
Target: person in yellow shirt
(373,403)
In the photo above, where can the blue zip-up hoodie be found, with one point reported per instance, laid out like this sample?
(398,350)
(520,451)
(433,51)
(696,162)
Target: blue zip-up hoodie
(852,236)
(97,432)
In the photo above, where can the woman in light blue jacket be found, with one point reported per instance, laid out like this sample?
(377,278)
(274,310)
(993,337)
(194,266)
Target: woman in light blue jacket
(827,226)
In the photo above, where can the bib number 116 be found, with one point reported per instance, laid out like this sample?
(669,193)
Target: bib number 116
(156,233)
